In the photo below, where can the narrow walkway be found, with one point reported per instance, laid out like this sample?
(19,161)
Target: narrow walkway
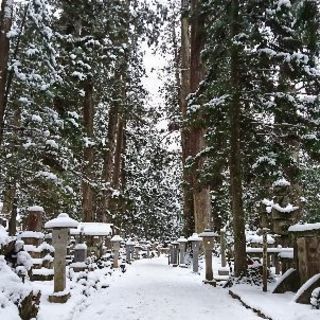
(152,290)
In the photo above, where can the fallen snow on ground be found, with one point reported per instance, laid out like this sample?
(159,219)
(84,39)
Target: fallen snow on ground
(275,306)
(151,289)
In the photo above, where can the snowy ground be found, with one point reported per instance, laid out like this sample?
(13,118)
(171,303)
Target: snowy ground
(151,289)
(275,306)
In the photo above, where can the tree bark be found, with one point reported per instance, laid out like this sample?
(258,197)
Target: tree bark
(5,26)
(201,191)
(240,261)
(184,84)
(88,154)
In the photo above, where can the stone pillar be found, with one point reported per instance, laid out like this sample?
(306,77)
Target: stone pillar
(195,242)
(223,270)
(60,237)
(175,251)
(136,252)
(80,252)
(208,238)
(129,250)
(182,250)
(116,243)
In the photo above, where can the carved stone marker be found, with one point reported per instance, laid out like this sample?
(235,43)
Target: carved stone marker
(129,250)
(34,219)
(116,242)
(182,250)
(60,236)
(208,239)
(175,253)
(195,243)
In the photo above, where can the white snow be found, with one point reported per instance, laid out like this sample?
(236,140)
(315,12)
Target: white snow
(152,290)
(285,275)
(304,227)
(80,246)
(195,237)
(35,208)
(281,183)
(62,221)
(93,229)
(116,238)
(31,234)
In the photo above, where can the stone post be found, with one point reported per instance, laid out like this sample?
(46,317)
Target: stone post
(265,260)
(208,239)
(137,252)
(148,247)
(182,250)
(60,236)
(195,242)
(175,252)
(129,250)
(116,242)
(224,270)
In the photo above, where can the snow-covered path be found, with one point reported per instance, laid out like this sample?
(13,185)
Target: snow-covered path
(152,290)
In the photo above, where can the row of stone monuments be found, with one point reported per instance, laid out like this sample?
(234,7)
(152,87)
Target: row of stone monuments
(178,248)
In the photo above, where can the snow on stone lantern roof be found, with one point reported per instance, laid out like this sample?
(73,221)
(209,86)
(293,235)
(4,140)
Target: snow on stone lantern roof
(61,221)
(130,243)
(182,239)
(35,209)
(305,227)
(93,229)
(116,238)
(195,237)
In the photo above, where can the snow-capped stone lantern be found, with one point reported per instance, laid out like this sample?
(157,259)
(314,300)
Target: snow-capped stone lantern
(129,250)
(195,243)
(60,234)
(283,212)
(116,243)
(182,250)
(208,240)
(174,253)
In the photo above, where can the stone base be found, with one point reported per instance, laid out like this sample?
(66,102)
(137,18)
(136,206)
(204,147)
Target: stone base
(183,266)
(223,272)
(211,282)
(59,298)
(42,277)
(175,265)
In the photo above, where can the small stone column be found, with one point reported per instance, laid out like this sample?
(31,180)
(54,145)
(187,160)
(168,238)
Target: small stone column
(175,252)
(148,247)
(129,250)
(80,252)
(224,270)
(182,250)
(208,238)
(60,237)
(116,242)
(195,243)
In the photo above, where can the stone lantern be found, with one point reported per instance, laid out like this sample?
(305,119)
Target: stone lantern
(208,240)
(60,234)
(174,253)
(195,242)
(129,250)
(182,250)
(116,242)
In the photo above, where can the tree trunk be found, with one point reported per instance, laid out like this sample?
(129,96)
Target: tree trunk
(201,192)
(118,155)
(5,26)
(240,261)
(88,154)
(184,84)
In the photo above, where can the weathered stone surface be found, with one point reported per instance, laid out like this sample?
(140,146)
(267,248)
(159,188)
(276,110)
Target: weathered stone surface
(288,283)
(304,293)
(59,298)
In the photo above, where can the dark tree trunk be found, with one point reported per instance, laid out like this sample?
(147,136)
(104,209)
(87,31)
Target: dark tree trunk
(184,81)
(201,191)
(240,261)
(88,154)
(5,26)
